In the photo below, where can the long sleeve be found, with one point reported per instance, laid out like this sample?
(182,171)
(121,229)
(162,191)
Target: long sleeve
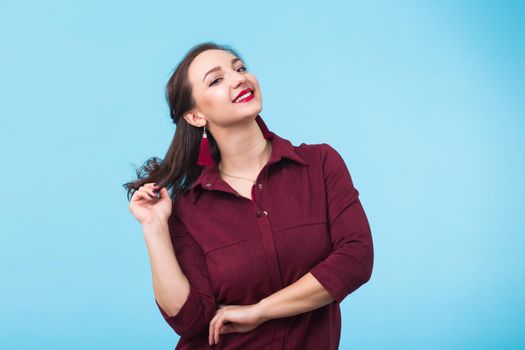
(196,313)
(350,263)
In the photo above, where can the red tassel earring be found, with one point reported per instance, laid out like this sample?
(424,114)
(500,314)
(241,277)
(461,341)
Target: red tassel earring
(204,152)
(205,157)
(267,133)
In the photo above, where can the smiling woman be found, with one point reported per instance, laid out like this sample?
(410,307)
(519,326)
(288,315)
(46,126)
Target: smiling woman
(253,242)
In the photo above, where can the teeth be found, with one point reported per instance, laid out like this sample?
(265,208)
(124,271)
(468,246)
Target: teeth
(249,93)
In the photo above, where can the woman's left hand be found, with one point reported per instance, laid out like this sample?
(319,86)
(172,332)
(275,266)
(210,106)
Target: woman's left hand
(234,319)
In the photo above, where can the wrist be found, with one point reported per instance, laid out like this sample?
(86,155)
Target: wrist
(154,225)
(261,311)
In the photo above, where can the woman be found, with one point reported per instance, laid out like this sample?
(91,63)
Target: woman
(259,240)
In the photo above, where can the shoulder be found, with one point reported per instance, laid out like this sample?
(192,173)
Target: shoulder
(328,163)
(179,209)
(318,152)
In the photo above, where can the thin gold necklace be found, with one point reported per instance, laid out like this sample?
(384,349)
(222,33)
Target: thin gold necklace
(240,177)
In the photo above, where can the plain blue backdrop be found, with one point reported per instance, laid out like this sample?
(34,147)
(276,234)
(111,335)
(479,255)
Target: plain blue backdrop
(423,99)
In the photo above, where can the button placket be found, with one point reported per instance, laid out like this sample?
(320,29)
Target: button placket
(259,213)
(269,248)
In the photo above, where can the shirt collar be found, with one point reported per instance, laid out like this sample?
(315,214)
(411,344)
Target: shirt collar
(281,148)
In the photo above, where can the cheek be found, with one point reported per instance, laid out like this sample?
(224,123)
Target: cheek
(216,97)
(257,88)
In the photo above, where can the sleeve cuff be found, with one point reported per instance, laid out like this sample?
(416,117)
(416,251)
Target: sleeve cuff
(187,314)
(330,281)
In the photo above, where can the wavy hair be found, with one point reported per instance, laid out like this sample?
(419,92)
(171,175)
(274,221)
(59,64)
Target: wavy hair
(179,169)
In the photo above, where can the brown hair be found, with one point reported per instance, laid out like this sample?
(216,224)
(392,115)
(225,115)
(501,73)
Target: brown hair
(179,169)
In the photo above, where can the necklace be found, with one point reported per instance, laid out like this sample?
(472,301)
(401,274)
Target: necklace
(240,177)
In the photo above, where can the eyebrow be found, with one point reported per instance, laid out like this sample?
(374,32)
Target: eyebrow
(218,68)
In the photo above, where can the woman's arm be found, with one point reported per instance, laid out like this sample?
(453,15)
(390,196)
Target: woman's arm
(170,285)
(303,295)
(348,266)
(180,277)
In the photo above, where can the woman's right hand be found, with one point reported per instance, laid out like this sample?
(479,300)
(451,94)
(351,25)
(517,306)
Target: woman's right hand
(145,205)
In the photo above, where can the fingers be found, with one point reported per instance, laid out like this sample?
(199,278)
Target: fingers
(139,196)
(218,326)
(214,333)
(210,329)
(152,189)
(212,339)
(227,328)
(147,192)
(163,192)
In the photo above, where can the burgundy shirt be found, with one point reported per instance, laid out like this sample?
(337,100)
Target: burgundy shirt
(304,216)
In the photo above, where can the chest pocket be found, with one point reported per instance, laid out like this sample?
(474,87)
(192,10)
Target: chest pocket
(301,247)
(239,272)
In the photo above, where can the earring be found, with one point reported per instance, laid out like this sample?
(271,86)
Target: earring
(205,157)
(266,133)
(204,152)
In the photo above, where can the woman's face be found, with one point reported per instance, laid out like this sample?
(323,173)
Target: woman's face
(217,77)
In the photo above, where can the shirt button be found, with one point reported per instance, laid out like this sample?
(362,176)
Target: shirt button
(265,212)
(258,213)
(260,186)
(208,184)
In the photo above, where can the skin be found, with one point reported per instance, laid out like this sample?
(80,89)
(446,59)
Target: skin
(244,151)
(146,207)
(304,295)
(243,148)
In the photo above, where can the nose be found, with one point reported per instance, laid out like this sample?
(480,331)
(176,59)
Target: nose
(238,78)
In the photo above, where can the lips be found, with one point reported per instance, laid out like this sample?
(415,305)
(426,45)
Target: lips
(242,93)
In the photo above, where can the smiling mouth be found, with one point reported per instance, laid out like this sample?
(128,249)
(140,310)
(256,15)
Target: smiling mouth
(244,97)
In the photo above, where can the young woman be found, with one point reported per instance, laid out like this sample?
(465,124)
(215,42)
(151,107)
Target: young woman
(253,242)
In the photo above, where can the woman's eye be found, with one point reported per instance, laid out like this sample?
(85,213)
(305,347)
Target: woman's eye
(215,80)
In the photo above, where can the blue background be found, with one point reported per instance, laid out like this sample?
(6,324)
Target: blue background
(424,100)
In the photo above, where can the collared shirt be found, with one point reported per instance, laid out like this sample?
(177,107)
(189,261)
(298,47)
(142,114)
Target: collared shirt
(304,216)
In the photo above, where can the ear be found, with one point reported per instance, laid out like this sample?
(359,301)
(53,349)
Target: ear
(195,119)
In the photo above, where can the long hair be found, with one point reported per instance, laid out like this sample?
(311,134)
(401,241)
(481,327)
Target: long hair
(179,169)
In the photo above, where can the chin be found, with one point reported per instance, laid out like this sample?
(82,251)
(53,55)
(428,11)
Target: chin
(251,110)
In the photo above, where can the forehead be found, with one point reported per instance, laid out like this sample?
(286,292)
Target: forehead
(205,61)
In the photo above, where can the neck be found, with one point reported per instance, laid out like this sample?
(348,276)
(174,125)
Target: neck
(244,150)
